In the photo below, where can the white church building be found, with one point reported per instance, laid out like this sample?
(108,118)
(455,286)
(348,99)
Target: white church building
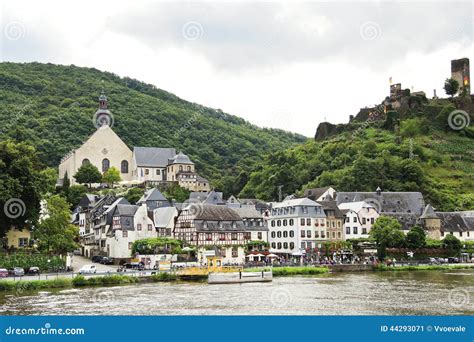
(104,149)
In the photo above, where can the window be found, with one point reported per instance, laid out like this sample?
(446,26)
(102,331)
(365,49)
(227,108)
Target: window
(130,244)
(292,233)
(273,235)
(322,234)
(303,245)
(308,222)
(85,161)
(234,236)
(338,235)
(333,235)
(105,164)
(309,245)
(292,222)
(292,245)
(460,233)
(363,220)
(364,230)
(354,219)
(285,223)
(22,242)
(139,226)
(285,245)
(279,234)
(303,233)
(285,234)
(273,223)
(157,172)
(208,236)
(279,245)
(305,210)
(147,171)
(372,220)
(150,227)
(274,245)
(235,252)
(308,233)
(221,236)
(347,219)
(279,223)
(303,221)
(124,233)
(442,233)
(316,234)
(354,230)
(259,235)
(124,166)
(348,230)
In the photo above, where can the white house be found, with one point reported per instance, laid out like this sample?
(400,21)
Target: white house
(129,223)
(164,219)
(360,217)
(296,227)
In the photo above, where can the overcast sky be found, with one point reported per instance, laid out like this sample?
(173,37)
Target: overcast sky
(285,65)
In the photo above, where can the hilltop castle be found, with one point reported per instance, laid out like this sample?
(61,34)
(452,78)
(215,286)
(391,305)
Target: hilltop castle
(151,165)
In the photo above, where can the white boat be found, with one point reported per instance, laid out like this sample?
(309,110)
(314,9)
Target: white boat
(239,277)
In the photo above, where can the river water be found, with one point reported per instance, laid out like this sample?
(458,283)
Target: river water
(364,293)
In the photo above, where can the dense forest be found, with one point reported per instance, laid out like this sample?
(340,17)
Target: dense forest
(52,107)
(413,151)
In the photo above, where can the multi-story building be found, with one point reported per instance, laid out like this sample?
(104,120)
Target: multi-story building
(256,228)
(334,220)
(296,226)
(216,230)
(360,217)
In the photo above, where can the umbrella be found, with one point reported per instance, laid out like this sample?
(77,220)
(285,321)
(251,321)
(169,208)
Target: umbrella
(187,249)
(271,255)
(259,255)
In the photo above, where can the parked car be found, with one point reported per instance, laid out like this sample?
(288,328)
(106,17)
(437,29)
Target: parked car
(97,258)
(77,252)
(453,260)
(135,265)
(88,269)
(107,261)
(33,270)
(434,261)
(3,272)
(18,271)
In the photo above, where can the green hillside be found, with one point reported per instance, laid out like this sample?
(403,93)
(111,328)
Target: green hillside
(414,150)
(52,106)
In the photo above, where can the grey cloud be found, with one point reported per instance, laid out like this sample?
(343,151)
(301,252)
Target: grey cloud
(245,35)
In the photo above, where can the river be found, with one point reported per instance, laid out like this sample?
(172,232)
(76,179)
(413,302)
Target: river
(363,293)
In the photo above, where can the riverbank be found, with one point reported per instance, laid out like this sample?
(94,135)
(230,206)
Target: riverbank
(288,271)
(382,267)
(80,281)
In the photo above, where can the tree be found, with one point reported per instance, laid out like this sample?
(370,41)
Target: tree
(75,194)
(386,232)
(451,86)
(22,184)
(177,193)
(55,234)
(452,243)
(416,238)
(88,174)
(111,176)
(66,184)
(134,194)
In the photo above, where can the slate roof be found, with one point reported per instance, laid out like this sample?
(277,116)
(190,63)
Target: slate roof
(386,202)
(180,158)
(152,195)
(459,221)
(332,205)
(297,202)
(429,213)
(201,179)
(217,213)
(125,210)
(407,220)
(211,197)
(356,206)
(248,212)
(315,193)
(153,156)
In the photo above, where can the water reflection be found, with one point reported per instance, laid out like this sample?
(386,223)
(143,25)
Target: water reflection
(375,293)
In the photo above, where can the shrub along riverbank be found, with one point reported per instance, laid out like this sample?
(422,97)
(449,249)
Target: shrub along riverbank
(79,281)
(287,271)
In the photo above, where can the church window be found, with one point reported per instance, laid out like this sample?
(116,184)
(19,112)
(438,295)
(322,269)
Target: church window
(124,166)
(86,161)
(180,168)
(105,164)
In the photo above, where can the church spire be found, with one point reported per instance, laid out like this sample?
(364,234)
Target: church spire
(103,117)
(102,100)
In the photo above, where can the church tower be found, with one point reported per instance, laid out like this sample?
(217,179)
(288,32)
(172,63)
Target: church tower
(103,116)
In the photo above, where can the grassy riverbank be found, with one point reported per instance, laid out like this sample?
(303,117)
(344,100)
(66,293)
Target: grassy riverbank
(288,271)
(422,268)
(80,281)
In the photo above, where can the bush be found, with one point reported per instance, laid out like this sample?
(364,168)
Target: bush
(163,277)
(29,260)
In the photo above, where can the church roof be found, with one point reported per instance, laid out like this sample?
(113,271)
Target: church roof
(152,195)
(429,213)
(153,156)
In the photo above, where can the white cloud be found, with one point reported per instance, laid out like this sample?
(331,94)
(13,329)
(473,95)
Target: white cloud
(289,65)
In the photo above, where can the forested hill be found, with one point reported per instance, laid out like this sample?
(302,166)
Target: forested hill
(52,107)
(414,149)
